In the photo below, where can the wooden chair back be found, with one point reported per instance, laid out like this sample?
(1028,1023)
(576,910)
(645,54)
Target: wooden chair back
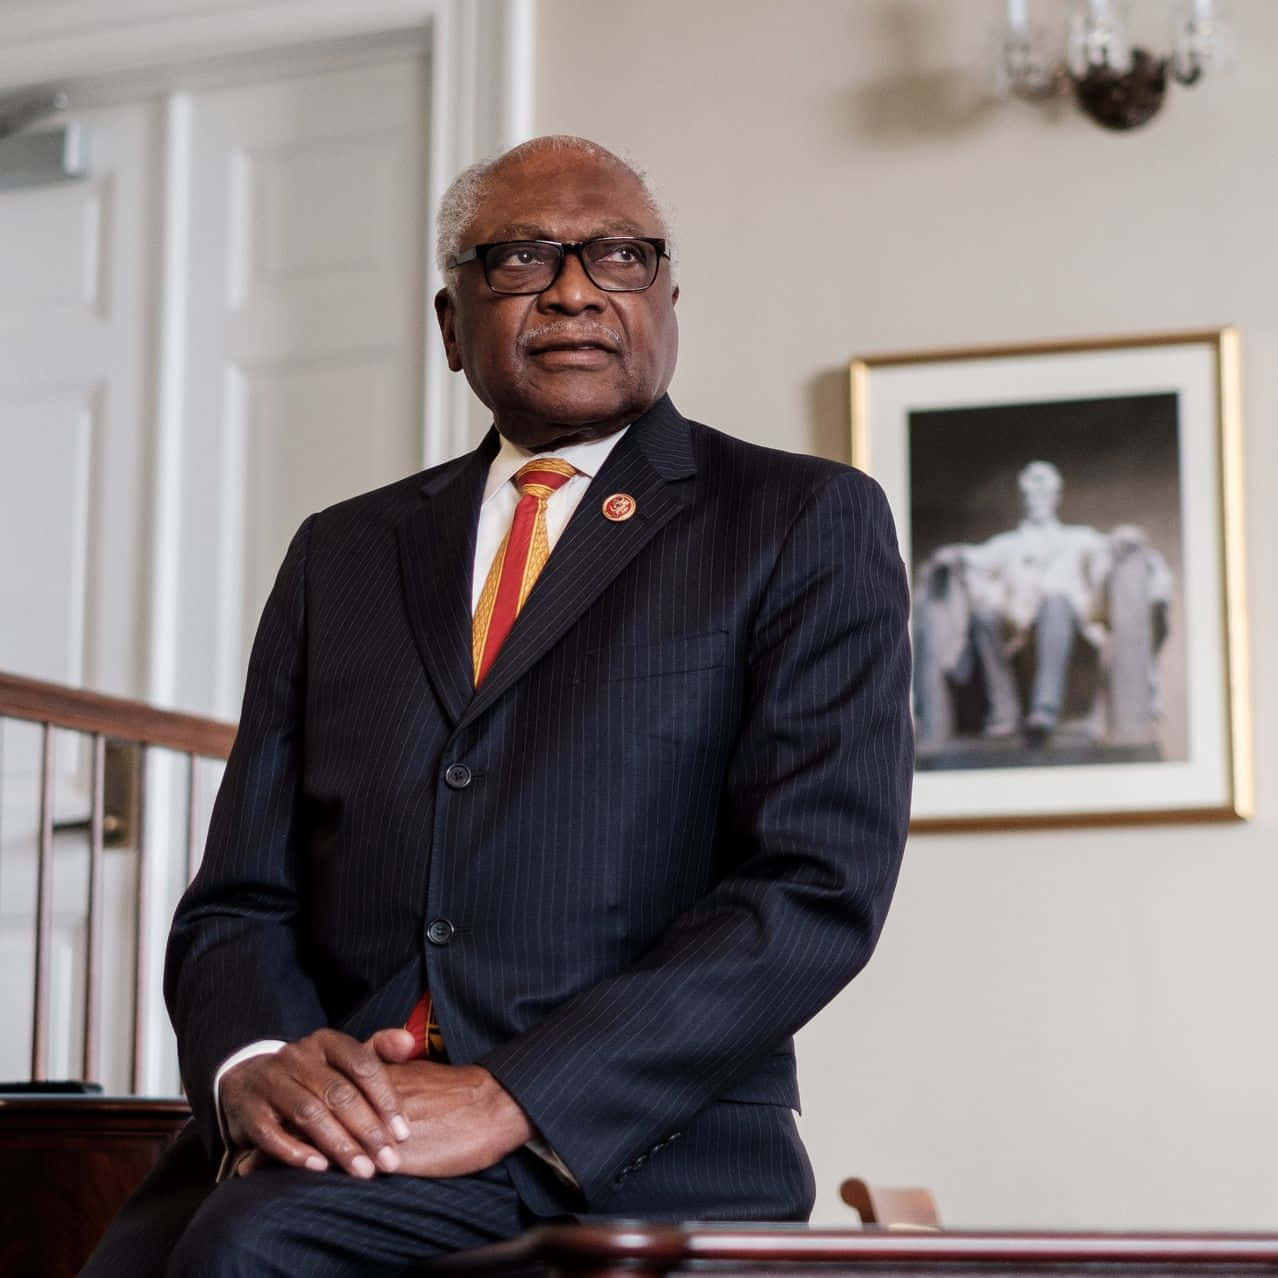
(890,1207)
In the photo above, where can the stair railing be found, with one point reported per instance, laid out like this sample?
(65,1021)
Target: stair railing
(110,723)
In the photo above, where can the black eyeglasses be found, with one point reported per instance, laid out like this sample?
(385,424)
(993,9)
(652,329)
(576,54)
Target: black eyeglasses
(614,263)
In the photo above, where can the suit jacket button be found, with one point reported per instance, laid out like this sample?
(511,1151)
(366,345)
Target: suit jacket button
(440,932)
(458,776)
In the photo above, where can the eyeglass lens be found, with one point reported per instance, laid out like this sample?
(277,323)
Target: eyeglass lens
(615,264)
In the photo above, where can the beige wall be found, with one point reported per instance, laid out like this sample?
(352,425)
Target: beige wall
(1068,1028)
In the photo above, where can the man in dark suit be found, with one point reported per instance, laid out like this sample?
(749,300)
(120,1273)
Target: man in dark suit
(598,781)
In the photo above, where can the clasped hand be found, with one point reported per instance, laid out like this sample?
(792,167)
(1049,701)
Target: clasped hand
(329,1099)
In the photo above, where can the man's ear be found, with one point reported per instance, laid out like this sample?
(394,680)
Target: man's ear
(446,313)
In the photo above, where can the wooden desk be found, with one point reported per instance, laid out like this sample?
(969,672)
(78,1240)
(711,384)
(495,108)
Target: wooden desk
(646,1251)
(66,1165)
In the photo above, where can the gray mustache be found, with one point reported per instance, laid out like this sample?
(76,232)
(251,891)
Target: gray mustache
(569,332)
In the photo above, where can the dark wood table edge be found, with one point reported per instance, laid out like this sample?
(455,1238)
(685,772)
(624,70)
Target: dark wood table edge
(72,1102)
(105,1110)
(660,1248)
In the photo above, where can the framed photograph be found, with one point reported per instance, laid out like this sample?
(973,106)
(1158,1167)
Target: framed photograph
(1071,519)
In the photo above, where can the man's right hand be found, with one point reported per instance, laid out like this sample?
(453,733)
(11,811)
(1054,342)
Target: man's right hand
(326,1098)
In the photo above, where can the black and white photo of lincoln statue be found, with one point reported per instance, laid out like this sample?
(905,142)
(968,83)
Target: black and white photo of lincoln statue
(1046,547)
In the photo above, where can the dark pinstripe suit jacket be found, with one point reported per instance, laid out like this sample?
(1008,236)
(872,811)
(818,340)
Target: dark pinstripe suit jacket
(659,837)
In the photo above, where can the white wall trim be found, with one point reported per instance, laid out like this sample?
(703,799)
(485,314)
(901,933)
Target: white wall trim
(166,538)
(85,39)
(470,39)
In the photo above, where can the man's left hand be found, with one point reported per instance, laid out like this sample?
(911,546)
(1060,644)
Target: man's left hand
(461,1120)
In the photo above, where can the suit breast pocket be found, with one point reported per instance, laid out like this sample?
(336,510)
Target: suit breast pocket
(684,655)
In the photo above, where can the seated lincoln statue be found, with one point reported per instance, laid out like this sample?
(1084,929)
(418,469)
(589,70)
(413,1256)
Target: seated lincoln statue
(1044,637)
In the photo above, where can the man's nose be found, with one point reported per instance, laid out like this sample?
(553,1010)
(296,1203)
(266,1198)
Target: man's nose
(573,290)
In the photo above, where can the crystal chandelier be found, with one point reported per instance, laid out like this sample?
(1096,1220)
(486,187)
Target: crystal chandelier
(1116,83)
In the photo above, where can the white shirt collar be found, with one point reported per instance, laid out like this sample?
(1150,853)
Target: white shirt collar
(587,459)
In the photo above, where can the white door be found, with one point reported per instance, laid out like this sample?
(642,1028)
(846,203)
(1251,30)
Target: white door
(218,331)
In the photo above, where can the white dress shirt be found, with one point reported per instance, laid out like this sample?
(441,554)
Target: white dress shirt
(495,515)
(501,497)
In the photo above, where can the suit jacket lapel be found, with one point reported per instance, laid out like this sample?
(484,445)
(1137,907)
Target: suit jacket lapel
(653,463)
(436,556)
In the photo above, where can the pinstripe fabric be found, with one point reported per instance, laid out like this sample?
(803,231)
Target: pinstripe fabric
(297,1224)
(291,1225)
(686,798)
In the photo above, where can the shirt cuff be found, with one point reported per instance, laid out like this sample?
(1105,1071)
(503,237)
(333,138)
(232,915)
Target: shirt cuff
(543,1151)
(262,1047)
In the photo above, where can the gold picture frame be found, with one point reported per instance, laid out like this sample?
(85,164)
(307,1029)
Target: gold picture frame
(1080,627)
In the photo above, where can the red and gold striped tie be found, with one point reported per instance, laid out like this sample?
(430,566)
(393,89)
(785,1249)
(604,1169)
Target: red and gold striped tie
(519,560)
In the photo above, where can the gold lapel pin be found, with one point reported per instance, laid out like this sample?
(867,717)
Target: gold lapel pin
(619,507)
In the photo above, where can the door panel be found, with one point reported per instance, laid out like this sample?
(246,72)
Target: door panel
(54,430)
(53,239)
(76,376)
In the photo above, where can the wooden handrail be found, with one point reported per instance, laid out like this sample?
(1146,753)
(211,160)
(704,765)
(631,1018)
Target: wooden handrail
(113,717)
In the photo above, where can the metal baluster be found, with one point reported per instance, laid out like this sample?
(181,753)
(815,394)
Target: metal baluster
(192,816)
(44,913)
(93,927)
(139,950)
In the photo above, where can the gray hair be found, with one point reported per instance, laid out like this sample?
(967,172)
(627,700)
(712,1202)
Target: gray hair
(462,199)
